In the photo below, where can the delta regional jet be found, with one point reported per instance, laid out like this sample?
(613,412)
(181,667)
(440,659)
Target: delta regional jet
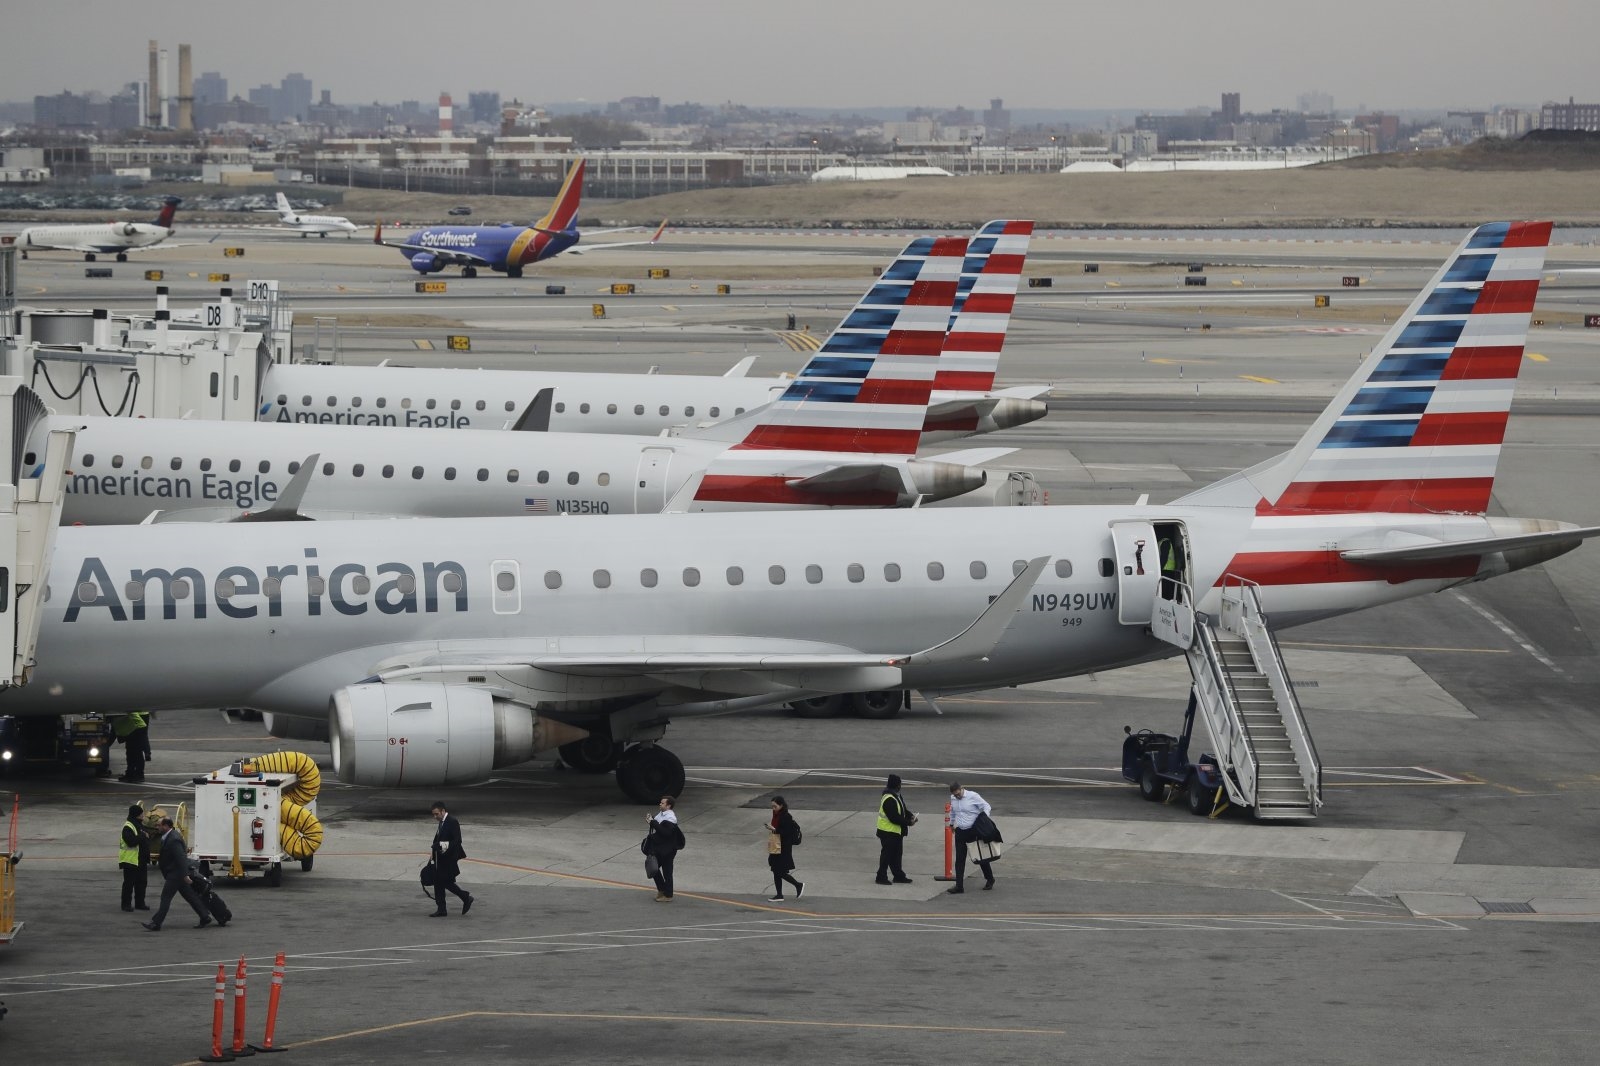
(101,238)
(844,433)
(445,649)
(321,225)
(507,248)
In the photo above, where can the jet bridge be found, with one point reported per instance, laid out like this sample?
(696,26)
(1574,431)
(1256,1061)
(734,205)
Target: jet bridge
(30,508)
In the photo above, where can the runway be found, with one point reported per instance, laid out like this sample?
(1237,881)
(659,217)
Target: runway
(1439,911)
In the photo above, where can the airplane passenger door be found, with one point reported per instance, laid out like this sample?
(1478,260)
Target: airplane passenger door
(1138,570)
(507,578)
(650,491)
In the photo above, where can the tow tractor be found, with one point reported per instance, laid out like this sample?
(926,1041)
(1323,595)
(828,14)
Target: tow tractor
(1159,764)
(72,741)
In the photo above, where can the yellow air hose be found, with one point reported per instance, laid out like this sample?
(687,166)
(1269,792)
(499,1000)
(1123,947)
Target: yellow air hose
(299,830)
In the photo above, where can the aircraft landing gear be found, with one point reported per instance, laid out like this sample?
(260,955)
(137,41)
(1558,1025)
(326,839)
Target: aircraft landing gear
(122,257)
(516,272)
(818,707)
(594,754)
(647,772)
(88,257)
(324,236)
(879,703)
(469,272)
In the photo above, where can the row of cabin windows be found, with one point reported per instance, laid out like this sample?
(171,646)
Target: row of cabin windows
(86,462)
(506,581)
(663,411)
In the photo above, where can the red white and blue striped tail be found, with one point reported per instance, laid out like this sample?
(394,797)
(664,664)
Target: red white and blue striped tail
(866,389)
(1418,428)
(985,296)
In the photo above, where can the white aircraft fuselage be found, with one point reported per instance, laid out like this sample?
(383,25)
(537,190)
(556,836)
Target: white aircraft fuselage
(97,237)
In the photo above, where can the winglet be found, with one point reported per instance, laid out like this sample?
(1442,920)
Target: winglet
(286,508)
(656,236)
(377,235)
(979,639)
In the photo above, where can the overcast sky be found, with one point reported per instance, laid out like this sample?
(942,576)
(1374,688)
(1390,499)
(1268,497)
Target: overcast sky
(1113,54)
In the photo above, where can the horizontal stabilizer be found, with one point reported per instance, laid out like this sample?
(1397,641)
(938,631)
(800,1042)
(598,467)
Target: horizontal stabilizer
(1559,539)
(970,456)
(856,477)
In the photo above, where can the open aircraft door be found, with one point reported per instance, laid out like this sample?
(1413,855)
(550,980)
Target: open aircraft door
(1138,570)
(650,495)
(30,508)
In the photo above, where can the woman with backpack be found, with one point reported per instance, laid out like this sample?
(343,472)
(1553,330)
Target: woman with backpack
(783,833)
(662,843)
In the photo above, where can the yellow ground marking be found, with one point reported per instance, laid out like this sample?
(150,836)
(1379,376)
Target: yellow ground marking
(1537,358)
(1264,381)
(425,345)
(669,307)
(800,340)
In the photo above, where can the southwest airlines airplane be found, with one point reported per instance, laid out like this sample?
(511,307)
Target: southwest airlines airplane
(843,434)
(104,237)
(321,225)
(506,248)
(442,650)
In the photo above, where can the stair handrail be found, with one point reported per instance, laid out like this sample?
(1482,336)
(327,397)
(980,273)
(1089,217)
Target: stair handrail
(1264,649)
(1236,750)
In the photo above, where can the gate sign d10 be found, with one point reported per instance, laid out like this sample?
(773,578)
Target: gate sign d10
(260,291)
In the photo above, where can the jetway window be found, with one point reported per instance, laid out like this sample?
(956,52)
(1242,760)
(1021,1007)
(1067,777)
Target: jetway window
(978,570)
(647,578)
(543,478)
(233,465)
(776,575)
(891,571)
(552,579)
(813,574)
(602,579)
(611,408)
(735,575)
(513,476)
(602,480)
(483,474)
(388,470)
(449,473)
(416,473)
(691,577)
(856,573)
(638,408)
(935,571)
(572,477)
(1064,568)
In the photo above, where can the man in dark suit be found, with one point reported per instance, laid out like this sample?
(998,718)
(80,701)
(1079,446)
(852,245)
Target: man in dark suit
(447,856)
(174,861)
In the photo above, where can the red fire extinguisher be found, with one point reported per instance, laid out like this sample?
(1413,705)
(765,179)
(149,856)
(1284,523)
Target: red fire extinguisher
(258,834)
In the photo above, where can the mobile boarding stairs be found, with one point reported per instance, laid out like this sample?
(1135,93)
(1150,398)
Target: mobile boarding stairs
(1265,757)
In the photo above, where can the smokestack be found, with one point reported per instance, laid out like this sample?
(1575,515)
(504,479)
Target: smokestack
(446,115)
(166,101)
(152,94)
(185,90)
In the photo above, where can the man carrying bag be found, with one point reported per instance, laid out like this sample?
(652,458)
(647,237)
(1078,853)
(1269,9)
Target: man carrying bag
(966,807)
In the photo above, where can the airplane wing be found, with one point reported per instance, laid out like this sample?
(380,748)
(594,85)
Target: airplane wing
(579,249)
(1427,550)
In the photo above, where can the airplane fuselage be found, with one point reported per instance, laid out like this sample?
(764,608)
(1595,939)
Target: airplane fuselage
(506,248)
(103,237)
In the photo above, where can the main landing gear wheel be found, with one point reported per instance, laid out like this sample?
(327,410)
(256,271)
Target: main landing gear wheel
(1151,787)
(122,257)
(646,773)
(594,754)
(88,257)
(516,272)
(879,703)
(819,707)
(1202,800)
(469,272)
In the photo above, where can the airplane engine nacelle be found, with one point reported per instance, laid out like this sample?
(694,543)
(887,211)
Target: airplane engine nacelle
(940,481)
(1012,411)
(425,733)
(426,263)
(130,229)
(289,727)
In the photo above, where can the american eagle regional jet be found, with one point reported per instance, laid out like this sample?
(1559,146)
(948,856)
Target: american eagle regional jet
(443,650)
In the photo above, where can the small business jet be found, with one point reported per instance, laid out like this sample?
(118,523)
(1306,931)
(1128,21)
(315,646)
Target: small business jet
(321,225)
(101,238)
(442,650)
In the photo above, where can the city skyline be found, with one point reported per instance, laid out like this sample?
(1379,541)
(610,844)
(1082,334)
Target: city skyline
(1031,54)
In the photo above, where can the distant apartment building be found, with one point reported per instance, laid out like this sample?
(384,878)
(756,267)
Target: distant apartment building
(1384,128)
(210,88)
(1230,107)
(484,107)
(997,118)
(1315,102)
(1570,116)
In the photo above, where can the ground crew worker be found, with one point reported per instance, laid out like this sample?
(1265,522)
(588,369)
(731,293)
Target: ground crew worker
(1169,569)
(133,729)
(133,856)
(894,819)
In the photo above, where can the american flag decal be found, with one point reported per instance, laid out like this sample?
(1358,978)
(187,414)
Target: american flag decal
(536,505)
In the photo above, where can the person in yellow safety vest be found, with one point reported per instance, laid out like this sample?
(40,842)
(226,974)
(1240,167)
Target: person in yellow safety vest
(1169,569)
(133,729)
(133,856)
(894,820)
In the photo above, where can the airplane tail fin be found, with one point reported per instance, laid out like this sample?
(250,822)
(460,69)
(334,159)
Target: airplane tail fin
(1418,428)
(984,298)
(285,212)
(169,207)
(563,214)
